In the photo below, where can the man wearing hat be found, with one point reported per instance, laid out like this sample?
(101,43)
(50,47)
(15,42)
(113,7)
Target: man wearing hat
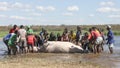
(110,38)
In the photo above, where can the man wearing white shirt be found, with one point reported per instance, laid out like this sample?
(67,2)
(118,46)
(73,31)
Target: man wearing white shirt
(22,35)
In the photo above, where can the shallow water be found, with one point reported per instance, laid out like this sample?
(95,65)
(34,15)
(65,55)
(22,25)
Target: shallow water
(104,59)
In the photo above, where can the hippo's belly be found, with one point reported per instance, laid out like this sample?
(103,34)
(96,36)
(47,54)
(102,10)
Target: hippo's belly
(62,47)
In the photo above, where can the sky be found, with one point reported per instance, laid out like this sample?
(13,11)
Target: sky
(57,12)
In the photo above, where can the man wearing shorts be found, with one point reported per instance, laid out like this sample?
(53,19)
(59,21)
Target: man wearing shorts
(31,41)
(23,43)
(110,39)
(97,39)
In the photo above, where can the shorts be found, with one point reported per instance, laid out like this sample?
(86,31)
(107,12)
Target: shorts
(23,42)
(111,45)
(99,40)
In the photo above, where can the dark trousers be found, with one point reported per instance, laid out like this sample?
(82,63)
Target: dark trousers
(85,46)
(13,49)
(6,43)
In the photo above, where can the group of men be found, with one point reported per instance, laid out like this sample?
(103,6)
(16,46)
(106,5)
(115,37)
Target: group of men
(93,40)
(19,36)
(25,40)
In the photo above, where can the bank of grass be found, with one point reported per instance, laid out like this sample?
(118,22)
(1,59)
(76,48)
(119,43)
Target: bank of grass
(43,61)
(117,33)
(3,33)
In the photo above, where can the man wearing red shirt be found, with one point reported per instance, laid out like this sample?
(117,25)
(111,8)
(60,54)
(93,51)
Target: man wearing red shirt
(97,39)
(31,41)
(12,30)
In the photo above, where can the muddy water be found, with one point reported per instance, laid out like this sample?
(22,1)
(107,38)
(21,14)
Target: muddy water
(105,59)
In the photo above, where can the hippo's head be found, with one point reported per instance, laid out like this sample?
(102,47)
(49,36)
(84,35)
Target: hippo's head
(43,47)
(75,49)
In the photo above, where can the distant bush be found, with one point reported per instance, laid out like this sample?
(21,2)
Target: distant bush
(60,28)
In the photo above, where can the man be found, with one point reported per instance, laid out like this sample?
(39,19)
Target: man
(12,43)
(52,37)
(58,37)
(65,35)
(6,39)
(31,42)
(42,36)
(85,41)
(45,36)
(78,34)
(97,39)
(29,30)
(91,40)
(22,34)
(72,36)
(110,39)
(13,29)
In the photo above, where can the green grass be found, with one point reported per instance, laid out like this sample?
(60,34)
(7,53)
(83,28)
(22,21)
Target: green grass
(3,33)
(116,33)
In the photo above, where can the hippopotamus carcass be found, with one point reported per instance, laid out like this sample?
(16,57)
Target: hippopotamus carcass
(60,47)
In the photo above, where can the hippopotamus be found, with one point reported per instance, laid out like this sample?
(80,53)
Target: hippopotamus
(60,47)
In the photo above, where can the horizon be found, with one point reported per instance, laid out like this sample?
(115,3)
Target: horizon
(58,12)
(65,25)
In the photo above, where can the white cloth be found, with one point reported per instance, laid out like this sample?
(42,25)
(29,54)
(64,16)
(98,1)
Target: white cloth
(111,45)
(22,33)
(99,40)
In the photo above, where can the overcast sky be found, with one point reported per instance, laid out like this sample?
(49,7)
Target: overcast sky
(57,12)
